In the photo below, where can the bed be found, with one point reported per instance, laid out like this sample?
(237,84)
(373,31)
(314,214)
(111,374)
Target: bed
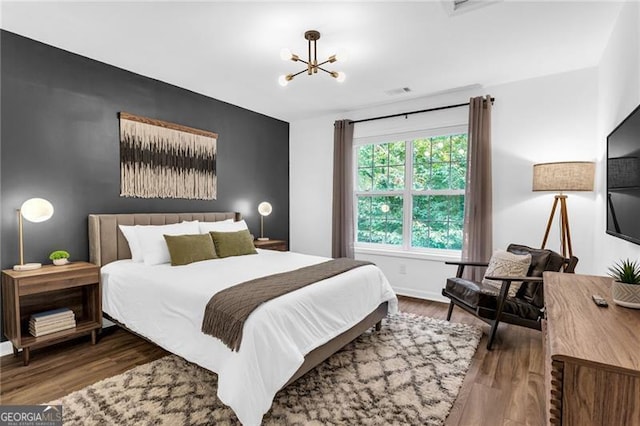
(283,338)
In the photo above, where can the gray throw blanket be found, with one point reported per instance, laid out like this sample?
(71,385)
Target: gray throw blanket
(228,309)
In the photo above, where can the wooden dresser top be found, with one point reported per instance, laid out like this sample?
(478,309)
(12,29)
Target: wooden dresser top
(584,333)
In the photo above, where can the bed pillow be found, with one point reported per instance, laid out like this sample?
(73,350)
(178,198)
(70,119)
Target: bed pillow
(151,239)
(186,249)
(228,225)
(236,243)
(129,232)
(506,264)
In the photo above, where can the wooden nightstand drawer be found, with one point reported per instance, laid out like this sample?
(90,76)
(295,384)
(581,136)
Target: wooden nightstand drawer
(278,245)
(36,285)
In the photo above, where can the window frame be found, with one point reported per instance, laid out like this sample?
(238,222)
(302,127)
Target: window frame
(407,193)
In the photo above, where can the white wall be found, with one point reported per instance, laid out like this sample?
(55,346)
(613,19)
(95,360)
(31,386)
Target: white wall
(559,117)
(619,94)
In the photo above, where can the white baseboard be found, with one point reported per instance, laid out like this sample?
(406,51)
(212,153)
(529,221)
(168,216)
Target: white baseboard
(420,294)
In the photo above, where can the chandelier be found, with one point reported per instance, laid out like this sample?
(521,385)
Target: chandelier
(312,64)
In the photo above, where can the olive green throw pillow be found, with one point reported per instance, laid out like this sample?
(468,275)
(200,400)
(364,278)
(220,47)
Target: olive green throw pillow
(186,249)
(233,243)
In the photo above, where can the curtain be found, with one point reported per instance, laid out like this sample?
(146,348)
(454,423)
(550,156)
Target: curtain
(477,242)
(342,228)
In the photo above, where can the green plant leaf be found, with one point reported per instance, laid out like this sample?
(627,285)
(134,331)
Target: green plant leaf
(625,271)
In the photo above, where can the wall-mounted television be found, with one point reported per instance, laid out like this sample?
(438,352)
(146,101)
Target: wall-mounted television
(623,179)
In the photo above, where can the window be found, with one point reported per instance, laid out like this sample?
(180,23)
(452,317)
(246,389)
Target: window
(409,194)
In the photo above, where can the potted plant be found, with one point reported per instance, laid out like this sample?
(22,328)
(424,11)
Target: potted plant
(59,257)
(626,285)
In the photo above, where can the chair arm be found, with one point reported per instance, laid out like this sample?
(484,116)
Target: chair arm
(511,279)
(466,263)
(462,264)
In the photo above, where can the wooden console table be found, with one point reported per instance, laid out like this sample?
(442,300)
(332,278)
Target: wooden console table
(592,354)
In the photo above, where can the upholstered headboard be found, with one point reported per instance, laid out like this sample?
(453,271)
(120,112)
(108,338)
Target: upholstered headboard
(107,244)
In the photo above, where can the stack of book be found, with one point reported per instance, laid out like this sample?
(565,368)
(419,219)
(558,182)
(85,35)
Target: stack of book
(51,321)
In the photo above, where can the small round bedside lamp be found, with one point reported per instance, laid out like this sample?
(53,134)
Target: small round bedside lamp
(264,209)
(34,210)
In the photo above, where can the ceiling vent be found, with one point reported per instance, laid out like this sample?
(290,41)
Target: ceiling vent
(400,91)
(457,7)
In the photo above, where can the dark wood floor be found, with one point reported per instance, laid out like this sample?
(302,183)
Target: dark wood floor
(503,387)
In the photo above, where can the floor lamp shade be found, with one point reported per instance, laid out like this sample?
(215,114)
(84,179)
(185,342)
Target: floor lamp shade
(265,209)
(564,176)
(560,177)
(34,210)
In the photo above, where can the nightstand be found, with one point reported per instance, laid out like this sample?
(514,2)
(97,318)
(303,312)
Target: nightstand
(278,245)
(75,286)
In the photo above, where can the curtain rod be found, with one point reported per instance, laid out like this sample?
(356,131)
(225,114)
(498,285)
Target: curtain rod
(412,112)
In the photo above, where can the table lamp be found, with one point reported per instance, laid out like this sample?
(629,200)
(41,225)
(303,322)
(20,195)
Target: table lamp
(34,210)
(559,177)
(264,209)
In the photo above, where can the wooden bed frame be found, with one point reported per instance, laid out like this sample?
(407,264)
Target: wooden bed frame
(107,244)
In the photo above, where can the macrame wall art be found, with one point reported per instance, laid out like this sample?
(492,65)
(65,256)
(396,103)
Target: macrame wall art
(159,159)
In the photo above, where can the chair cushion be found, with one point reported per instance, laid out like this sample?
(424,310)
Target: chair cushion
(479,295)
(471,293)
(541,260)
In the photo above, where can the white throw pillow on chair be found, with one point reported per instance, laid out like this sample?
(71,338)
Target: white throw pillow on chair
(507,264)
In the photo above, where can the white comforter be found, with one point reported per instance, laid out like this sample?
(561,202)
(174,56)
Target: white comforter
(166,304)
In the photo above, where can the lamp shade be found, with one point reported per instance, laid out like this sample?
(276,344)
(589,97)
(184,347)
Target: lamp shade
(623,172)
(264,208)
(564,176)
(36,210)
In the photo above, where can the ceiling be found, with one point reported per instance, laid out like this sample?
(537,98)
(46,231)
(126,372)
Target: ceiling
(231,50)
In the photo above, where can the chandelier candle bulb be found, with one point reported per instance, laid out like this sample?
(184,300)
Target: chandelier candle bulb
(285,54)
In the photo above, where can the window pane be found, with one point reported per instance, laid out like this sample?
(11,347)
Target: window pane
(380,178)
(437,221)
(439,176)
(421,173)
(396,153)
(365,179)
(380,219)
(441,148)
(380,155)
(456,209)
(396,178)
(440,163)
(364,219)
(365,156)
(459,147)
(458,175)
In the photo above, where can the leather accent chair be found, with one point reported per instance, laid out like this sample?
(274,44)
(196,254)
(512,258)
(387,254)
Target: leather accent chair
(485,302)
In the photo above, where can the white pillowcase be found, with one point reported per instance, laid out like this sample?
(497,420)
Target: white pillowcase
(223,226)
(152,243)
(129,232)
(507,264)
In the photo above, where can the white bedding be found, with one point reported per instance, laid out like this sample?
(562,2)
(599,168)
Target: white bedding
(166,304)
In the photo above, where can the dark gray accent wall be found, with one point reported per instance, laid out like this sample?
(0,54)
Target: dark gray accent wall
(59,141)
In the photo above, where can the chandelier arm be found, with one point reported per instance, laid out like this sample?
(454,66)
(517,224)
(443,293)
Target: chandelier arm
(327,71)
(325,62)
(298,73)
(303,61)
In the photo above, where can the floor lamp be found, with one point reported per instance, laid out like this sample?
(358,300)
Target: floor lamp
(560,177)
